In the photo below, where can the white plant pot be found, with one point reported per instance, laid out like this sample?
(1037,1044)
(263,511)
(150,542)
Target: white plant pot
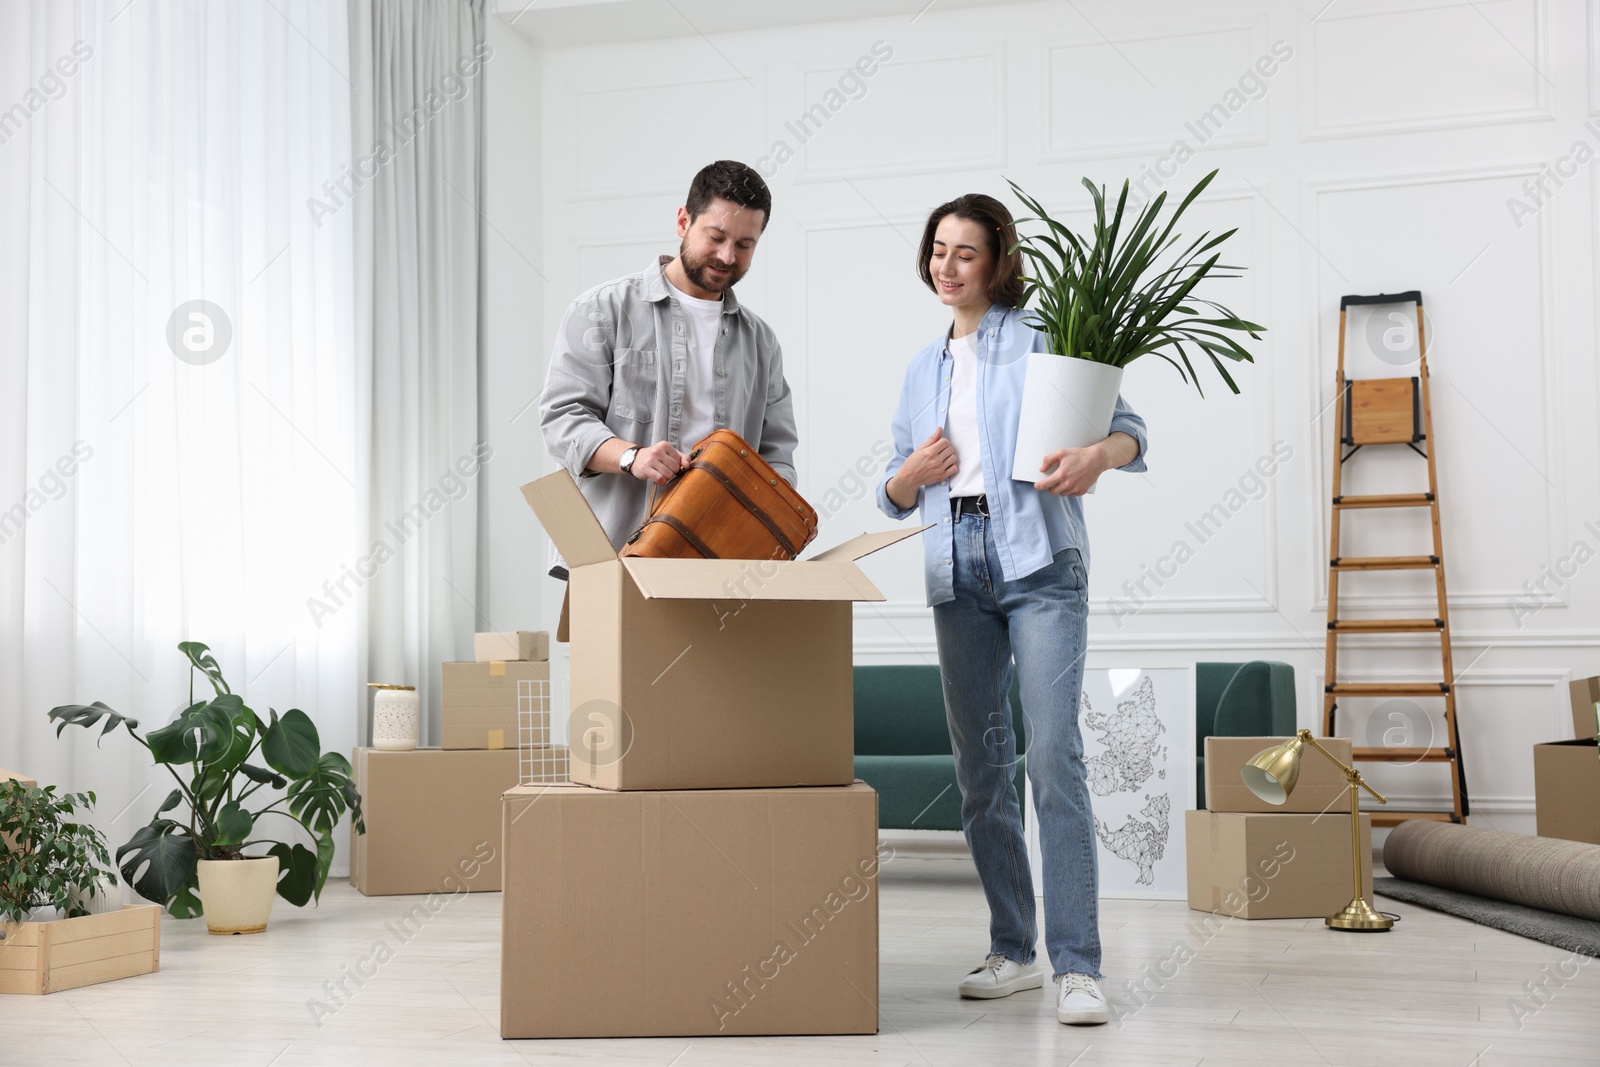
(1066,403)
(238,894)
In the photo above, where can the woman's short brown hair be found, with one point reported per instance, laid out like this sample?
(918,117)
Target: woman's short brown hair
(1005,284)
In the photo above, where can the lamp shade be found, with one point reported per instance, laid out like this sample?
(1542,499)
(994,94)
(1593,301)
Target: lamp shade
(1271,774)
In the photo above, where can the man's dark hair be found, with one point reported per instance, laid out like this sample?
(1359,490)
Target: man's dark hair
(1000,232)
(728,179)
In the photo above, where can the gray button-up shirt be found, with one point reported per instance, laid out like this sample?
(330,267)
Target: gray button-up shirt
(618,370)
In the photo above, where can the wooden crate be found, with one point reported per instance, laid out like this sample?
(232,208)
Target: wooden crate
(68,953)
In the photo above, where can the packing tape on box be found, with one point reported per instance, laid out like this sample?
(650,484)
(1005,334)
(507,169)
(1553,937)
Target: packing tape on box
(497,740)
(497,668)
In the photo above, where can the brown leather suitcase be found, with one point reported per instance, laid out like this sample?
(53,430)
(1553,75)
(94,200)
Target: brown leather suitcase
(728,503)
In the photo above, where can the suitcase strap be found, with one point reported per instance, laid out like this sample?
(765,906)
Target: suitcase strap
(749,505)
(672,523)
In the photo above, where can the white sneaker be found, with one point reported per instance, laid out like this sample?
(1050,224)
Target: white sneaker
(1079,1001)
(1000,977)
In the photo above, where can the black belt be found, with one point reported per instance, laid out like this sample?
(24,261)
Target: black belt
(970,505)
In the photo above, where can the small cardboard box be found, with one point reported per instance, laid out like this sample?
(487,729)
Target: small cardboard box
(49,957)
(433,820)
(727,912)
(1321,787)
(706,673)
(1274,866)
(479,703)
(1566,774)
(515,644)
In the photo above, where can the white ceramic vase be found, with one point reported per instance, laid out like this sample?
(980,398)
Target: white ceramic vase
(396,717)
(1066,403)
(238,894)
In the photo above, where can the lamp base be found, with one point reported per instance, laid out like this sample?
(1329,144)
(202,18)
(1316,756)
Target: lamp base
(1360,916)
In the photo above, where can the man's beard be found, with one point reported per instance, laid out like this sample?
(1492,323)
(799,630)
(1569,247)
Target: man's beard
(695,270)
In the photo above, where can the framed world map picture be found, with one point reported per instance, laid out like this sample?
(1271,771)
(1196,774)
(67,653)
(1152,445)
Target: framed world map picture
(1138,745)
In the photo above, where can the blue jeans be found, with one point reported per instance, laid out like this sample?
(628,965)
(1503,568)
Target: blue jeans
(1040,622)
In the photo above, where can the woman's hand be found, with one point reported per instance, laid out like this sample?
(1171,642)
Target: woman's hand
(932,461)
(1073,471)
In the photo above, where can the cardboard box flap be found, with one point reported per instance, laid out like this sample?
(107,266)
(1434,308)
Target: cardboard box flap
(1585,691)
(749,579)
(568,519)
(867,544)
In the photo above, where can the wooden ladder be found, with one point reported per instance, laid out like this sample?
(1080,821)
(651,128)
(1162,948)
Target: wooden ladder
(1389,411)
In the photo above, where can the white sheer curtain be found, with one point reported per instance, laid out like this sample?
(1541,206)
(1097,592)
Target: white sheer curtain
(157,485)
(417,71)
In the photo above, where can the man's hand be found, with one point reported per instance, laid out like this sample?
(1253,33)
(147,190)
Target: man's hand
(658,463)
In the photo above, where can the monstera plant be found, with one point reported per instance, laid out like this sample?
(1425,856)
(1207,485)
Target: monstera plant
(226,801)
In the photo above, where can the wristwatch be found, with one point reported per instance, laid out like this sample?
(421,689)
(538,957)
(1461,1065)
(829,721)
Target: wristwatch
(628,457)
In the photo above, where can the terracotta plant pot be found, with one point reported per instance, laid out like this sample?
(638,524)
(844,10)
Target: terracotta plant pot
(238,894)
(1066,403)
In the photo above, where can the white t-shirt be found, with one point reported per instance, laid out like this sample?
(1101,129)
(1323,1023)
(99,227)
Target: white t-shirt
(961,422)
(699,384)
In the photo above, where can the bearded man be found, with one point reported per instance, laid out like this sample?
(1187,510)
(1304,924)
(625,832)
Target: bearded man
(648,364)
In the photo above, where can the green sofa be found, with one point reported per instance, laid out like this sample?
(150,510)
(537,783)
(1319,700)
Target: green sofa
(1253,699)
(903,747)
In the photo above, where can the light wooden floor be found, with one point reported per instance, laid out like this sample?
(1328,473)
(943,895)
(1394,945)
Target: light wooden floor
(1434,991)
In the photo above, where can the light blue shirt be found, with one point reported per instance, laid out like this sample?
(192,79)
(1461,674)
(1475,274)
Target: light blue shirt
(1029,526)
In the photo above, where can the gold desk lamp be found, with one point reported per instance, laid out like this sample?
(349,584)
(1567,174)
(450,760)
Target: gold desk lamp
(1271,774)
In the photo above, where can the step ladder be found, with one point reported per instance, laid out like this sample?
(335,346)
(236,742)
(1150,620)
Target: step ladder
(1390,411)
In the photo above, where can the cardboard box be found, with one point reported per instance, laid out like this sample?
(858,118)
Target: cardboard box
(726,911)
(479,704)
(1566,790)
(49,957)
(1321,787)
(433,820)
(515,644)
(1585,719)
(706,673)
(1274,866)
(1566,774)
(543,766)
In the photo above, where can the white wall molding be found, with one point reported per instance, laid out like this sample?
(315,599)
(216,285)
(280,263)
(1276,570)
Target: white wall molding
(1538,106)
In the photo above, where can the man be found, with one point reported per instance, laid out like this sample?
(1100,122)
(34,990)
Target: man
(647,365)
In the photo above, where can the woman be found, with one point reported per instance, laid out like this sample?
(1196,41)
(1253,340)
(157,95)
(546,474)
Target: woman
(1006,565)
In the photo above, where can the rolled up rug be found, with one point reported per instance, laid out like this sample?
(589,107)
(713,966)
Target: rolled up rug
(1539,872)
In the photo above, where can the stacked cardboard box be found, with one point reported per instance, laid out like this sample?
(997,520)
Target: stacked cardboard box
(1255,860)
(713,835)
(1566,774)
(433,814)
(501,695)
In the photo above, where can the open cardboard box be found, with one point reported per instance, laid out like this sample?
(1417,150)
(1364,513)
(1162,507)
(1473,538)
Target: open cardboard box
(705,673)
(1566,774)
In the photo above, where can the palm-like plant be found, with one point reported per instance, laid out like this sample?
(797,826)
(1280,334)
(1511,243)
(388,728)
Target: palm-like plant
(1109,299)
(208,749)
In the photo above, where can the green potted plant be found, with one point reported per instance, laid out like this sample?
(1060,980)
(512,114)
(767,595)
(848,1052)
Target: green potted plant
(49,859)
(195,853)
(1105,300)
(62,925)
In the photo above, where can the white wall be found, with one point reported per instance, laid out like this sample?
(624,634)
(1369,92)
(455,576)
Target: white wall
(1379,157)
